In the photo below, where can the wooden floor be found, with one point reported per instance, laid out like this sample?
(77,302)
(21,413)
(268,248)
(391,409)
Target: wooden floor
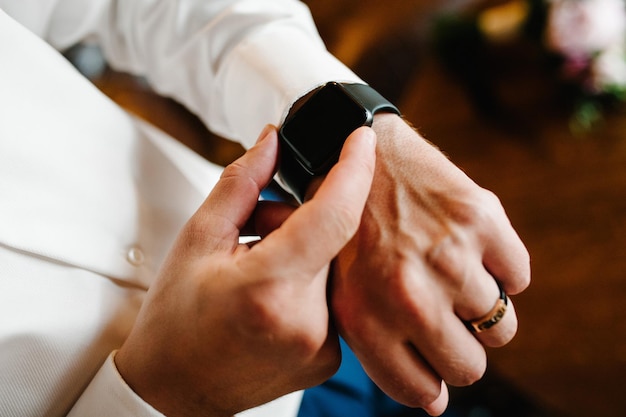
(565,195)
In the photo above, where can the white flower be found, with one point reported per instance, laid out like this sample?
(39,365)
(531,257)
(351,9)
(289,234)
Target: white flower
(584,27)
(608,69)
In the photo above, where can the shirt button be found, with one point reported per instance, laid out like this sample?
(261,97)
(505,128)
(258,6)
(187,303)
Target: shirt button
(135,256)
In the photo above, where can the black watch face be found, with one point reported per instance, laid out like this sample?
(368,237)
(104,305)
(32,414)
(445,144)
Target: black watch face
(317,131)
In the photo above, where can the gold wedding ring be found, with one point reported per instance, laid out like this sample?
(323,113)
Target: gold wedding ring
(492,318)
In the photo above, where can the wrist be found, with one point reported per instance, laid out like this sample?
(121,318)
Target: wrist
(402,149)
(313,135)
(165,388)
(396,134)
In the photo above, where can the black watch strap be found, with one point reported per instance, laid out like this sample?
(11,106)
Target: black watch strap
(293,174)
(370,98)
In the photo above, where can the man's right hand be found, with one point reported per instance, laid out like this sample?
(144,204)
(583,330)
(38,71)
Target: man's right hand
(226,326)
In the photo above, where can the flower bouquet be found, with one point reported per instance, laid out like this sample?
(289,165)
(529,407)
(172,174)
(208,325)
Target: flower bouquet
(590,38)
(583,42)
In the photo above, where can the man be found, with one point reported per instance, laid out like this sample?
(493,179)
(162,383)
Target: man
(93,200)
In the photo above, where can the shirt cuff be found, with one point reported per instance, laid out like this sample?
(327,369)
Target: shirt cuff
(109,395)
(267,73)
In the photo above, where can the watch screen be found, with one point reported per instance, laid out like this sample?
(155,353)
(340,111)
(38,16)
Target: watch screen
(320,127)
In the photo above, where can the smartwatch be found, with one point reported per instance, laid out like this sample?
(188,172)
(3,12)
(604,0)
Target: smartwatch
(311,138)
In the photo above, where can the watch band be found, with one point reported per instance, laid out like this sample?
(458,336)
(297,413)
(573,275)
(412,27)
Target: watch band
(293,174)
(370,98)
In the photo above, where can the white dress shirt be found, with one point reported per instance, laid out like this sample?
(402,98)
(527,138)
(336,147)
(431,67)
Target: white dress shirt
(91,198)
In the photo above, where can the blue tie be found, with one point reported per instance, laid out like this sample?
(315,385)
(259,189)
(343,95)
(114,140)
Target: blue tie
(350,393)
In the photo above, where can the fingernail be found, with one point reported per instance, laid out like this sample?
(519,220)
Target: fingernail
(267,130)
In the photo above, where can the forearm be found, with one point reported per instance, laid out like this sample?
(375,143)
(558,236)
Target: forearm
(237,64)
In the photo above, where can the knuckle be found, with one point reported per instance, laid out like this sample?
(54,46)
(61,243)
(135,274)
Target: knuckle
(264,305)
(469,375)
(480,210)
(466,369)
(272,315)
(412,299)
(308,340)
(473,219)
(261,309)
(239,174)
(234,169)
(446,257)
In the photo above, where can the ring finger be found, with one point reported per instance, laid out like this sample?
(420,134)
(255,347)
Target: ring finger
(486,310)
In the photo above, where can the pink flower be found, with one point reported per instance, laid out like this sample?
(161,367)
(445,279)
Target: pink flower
(575,67)
(580,28)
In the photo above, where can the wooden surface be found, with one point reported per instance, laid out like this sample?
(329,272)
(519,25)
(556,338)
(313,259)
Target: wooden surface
(565,195)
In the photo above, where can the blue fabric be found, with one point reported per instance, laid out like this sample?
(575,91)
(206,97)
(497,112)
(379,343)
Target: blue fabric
(350,393)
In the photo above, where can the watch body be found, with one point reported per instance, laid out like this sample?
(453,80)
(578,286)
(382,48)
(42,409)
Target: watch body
(312,137)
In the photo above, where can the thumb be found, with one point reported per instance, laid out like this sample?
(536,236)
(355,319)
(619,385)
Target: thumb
(313,235)
(233,199)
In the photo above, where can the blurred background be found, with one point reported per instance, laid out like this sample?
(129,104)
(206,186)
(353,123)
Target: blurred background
(521,105)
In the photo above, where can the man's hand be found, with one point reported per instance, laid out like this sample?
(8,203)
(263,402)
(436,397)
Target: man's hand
(428,255)
(226,326)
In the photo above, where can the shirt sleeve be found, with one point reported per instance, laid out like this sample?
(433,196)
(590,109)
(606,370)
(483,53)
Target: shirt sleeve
(237,64)
(109,395)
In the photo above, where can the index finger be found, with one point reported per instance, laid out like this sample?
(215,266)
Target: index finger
(315,233)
